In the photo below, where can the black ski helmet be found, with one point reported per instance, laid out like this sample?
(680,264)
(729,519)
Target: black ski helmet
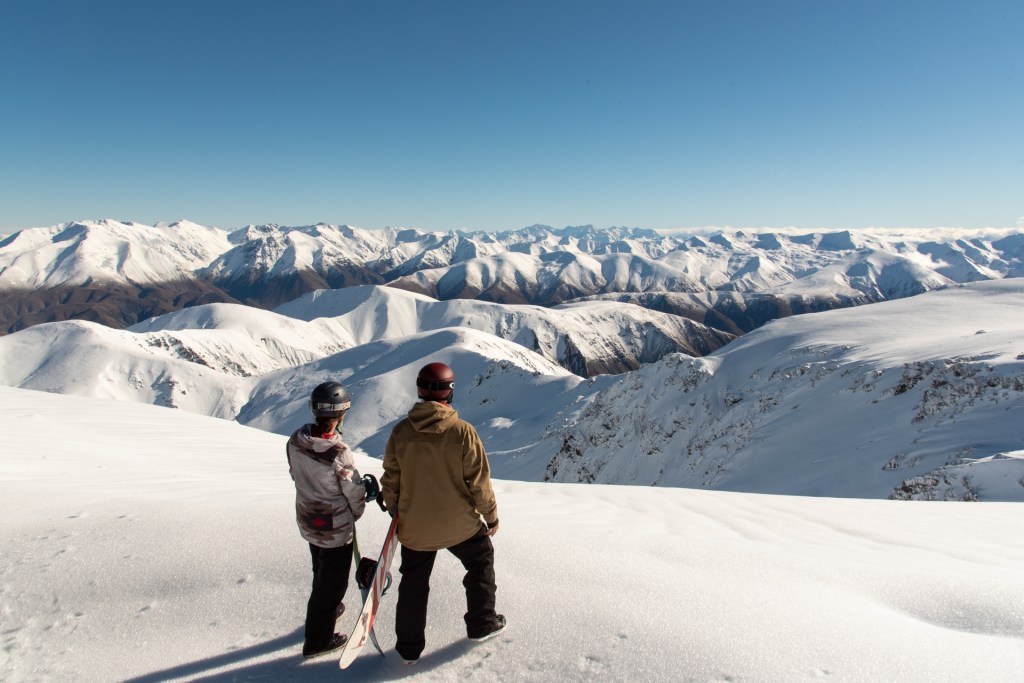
(436,382)
(330,399)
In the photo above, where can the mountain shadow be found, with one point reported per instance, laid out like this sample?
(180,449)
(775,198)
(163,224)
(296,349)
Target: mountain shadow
(112,304)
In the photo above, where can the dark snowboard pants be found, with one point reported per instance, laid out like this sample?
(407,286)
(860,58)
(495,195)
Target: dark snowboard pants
(477,556)
(331,567)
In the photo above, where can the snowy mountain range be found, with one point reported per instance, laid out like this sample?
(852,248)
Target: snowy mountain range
(121,273)
(917,398)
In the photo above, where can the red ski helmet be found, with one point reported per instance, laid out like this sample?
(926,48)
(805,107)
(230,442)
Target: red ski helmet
(436,382)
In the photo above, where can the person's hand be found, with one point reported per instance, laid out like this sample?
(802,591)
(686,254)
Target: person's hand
(491,530)
(372,487)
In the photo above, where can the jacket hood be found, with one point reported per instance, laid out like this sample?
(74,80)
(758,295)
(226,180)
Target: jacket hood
(432,417)
(318,444)
(329,450)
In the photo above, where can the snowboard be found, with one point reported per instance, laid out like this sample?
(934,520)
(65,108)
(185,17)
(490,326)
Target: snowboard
(363,629)
(364,591)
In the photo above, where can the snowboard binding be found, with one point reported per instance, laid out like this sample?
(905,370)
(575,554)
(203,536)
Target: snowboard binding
(365,572)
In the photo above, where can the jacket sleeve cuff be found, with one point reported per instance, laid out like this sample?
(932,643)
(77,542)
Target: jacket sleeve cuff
(491,525)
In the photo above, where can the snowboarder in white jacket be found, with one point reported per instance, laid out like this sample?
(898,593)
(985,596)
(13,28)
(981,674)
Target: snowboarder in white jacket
(329,498)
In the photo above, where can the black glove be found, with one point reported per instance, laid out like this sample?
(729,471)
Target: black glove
(371,486)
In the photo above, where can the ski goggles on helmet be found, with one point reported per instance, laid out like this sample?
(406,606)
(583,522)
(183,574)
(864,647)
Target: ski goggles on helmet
(434,384)
(330,409)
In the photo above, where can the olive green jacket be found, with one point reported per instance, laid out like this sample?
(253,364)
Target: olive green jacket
(437,477)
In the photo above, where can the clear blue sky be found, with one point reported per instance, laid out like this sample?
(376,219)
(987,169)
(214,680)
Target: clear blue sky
(487,115)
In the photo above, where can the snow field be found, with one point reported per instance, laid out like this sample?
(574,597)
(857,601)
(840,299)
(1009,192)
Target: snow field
(148,544)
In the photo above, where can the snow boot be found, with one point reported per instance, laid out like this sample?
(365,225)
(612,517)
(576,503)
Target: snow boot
(336,643)
(500,625)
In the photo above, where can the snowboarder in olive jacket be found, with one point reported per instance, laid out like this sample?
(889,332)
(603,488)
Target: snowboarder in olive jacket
(438,481)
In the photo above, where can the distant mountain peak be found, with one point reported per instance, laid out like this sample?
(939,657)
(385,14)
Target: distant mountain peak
(269,264)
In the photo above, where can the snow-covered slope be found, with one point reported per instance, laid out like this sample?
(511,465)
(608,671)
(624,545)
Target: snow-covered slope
(549,278)
(87,359)
(244,340)
(588,339)
(269,265)
(592,338)
(510,392)
(258,367)
(916,398)
(161,546)
(841,264)
(105,271)
(740,312)
(79,253)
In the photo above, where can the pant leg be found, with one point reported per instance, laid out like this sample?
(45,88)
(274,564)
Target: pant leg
(331,568)
(413,595)
(477,556)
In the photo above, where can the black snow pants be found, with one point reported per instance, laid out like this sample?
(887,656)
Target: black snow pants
(477,556)
(331,567)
